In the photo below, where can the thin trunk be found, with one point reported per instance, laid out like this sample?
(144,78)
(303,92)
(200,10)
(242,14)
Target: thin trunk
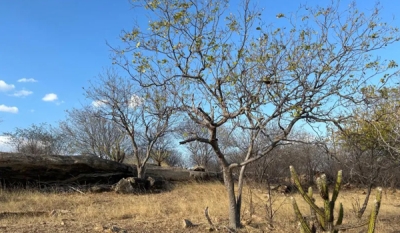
(141,169)
(234,214)
(240,192)
(365,204)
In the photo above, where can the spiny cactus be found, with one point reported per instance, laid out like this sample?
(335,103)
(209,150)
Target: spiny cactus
(322,218)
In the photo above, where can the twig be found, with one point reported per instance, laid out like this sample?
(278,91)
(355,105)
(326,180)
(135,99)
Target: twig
(76,190)
(209,219)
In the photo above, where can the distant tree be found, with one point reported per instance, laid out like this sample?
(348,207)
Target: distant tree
(369,140)
(379,119)
(199,154)
(227,67)
(145,115)
(162,150)
(89,134)
(40,139)
(176,159)
(371,135)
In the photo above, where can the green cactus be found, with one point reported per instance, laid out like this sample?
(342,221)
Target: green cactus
(323,218)
(375,211)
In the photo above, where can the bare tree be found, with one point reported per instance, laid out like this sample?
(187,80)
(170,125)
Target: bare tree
(162,150)
(42,139)
(227,68)
(145,115)
(89,134)
(200,154)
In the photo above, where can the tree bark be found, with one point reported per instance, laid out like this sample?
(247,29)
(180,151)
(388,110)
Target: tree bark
(234,212)
(141,171)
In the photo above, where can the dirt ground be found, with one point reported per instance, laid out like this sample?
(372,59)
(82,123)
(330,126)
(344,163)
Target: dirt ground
(33,211)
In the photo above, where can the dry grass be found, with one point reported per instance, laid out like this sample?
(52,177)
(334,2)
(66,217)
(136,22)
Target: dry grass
(30,211)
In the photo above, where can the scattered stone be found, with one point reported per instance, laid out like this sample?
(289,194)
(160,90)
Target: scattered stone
(100,188)
(285,189)
(199,175)
(124,186)
(199,169)
(151,180)
(139,184)
(57,212)
(115,229)
(156,184)
(187,223)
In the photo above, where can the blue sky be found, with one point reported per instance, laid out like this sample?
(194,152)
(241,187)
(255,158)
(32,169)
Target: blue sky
(50,49)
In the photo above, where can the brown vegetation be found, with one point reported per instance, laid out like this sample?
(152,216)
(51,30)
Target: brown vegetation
(33,211)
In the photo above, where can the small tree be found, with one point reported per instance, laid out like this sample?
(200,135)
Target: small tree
(145,115)
(40,139)
(362,138)
(89,134)
(227,68)
(162,151)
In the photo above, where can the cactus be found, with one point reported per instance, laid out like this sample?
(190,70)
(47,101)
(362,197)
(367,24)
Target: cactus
(375,211)
(323,218)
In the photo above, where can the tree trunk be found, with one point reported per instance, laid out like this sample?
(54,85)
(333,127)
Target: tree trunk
(234,212)
(240,191)
(141,171)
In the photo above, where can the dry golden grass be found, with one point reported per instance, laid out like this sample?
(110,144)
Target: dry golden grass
(31,211)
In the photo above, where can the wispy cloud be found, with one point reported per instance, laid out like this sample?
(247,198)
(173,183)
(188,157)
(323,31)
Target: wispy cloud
(50,97)
(98,103)
(136,101)
(6,87)
(4,146)
(27,80)
(22,93)
(60,102)
(4,108)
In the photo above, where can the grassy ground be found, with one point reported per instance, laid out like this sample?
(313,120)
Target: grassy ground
(32,211)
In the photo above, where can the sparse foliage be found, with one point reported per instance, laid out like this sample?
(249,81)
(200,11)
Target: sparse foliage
(89,134)
(37,139)
(226,67)
(145,115)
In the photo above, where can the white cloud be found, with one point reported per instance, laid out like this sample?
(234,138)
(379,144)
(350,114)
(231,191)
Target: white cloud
(60,102)
(4,108)
(4,147)
(5,87)
(50,97)
(27,80)
(22,93)
(98,103)
(136,101)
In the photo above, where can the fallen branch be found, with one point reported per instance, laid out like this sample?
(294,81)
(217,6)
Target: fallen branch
(76,190)
(209,219)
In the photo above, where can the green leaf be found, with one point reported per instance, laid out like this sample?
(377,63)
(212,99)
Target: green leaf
(280,15)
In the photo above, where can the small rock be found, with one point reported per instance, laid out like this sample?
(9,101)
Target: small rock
(187,223)
(115,229)
(199,169)
(99,189)
(124,186)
